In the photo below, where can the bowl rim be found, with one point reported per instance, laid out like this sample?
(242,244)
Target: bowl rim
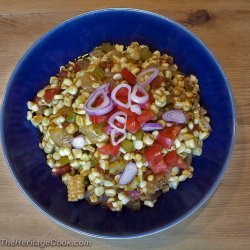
(149,232)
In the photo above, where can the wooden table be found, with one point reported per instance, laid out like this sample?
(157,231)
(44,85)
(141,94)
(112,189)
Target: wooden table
(224,222)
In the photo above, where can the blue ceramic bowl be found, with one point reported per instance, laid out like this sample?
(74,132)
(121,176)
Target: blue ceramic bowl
(78,36)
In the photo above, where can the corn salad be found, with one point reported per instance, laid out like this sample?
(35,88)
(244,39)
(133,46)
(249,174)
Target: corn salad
(120,125)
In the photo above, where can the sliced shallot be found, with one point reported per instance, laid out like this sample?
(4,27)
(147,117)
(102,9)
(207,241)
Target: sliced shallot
(119,116)
(154,73)
(105,107)
(122,135)
(128,174)
(114,92)
(139,99)
(151,126)
(176,116)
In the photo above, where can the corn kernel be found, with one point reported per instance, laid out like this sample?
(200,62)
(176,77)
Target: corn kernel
(150,177)
(77,153)
(138,157)
(108,184)
(110,192)
(148,203)
(66,82)
(85,157)
(56,156)
(127,157)
(86,165)
(67,151)
(104,164)
(29,115)
(123,198)
(95,85)
(47,112)
(155,134)
(143,184)
(93,198)
(148,139)
(99,191)
(117,76)
(45,121)
(182,177)
(138,144)
(72,128)
(75,164)
(72,90)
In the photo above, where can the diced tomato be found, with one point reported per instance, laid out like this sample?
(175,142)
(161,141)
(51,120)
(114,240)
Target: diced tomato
(134,194)
(98,102)
(172,159)
(50,93)
(76,68)
(58,171)
(152,152)
(109,149)
(118,124)
(122,92)
(127,111)
(123,99)
(62,74)
(160,167)
(146,116)
(132,125)
(98,119)
(154,157)
(156,83)
(128,76)
(166,136)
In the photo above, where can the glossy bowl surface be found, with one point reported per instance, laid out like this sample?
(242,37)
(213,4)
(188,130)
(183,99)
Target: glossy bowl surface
(78,36)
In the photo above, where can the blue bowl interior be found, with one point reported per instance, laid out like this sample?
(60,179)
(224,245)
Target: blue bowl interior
(79,36)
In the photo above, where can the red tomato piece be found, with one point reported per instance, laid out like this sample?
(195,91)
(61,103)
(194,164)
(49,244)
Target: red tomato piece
(98,119)
(118,124)
(154,157)
(62,74)
(123,99)
(156,83)
(132,125)
(172,159)
(98,102)
(76,68)
(166,136)
(109,149)
(146,116)
(159,167)
(50,93)
(122,92)
(127,111)
(128,76)
(61,170)
(152,152)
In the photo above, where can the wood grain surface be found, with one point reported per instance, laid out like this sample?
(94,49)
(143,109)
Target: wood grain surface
(224,222)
